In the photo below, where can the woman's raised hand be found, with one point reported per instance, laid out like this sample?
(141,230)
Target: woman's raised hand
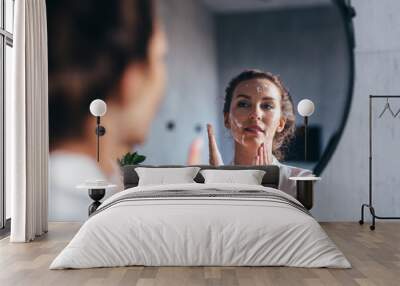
(262,157)
(215,158)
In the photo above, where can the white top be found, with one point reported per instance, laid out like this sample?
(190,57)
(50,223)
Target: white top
(286,185)
(285,172)
(67,170)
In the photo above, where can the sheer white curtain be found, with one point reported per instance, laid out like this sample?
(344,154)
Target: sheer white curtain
(27,123)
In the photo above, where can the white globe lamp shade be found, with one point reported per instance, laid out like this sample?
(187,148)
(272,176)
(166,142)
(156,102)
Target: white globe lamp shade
(305,107)
(98,107)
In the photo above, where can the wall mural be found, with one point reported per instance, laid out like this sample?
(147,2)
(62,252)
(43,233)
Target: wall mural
(190,83)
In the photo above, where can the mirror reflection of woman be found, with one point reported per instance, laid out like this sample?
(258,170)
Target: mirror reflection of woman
(259,113)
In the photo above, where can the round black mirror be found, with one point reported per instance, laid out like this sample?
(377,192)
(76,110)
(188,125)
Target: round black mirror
(309,44)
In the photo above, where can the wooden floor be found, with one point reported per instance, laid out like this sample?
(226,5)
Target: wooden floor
(374,255)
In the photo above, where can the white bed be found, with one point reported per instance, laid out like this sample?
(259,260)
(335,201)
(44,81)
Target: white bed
(224,225)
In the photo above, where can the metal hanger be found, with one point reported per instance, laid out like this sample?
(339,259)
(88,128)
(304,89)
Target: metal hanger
(387,107)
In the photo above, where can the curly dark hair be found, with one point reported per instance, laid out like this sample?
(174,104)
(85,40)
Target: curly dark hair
(281,139)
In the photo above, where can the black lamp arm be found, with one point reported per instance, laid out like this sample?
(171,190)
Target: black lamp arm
(100,131)
(305,137)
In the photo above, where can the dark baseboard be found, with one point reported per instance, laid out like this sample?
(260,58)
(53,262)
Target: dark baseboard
(5,231)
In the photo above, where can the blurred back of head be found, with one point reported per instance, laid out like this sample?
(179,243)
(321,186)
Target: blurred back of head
(91,43)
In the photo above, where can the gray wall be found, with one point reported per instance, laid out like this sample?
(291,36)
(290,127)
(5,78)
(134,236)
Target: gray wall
(344,186)
(192,82)
(304,46)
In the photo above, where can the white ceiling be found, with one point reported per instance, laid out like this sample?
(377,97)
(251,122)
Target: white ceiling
(227,6)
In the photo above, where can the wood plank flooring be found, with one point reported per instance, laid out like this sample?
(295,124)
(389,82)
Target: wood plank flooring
(374,255)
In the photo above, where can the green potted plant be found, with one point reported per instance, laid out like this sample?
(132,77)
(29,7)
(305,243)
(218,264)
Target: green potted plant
(131,159)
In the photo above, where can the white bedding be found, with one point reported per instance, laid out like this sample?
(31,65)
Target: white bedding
(182,231)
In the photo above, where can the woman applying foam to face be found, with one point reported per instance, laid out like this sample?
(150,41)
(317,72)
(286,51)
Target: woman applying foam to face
(258,111)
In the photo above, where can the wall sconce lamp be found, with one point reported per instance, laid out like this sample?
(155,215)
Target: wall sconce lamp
(98,108)
(306,109)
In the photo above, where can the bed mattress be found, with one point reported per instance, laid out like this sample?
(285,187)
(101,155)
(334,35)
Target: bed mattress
(201,225)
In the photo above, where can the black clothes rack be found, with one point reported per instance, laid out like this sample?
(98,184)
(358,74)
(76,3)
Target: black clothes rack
(369,205)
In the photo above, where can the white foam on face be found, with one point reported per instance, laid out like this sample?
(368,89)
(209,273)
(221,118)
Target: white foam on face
(260,87)
(237,130)
(268,134)
(235,122)
(242,139)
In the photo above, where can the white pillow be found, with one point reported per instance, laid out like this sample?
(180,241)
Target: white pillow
(249,177)
(162,176)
